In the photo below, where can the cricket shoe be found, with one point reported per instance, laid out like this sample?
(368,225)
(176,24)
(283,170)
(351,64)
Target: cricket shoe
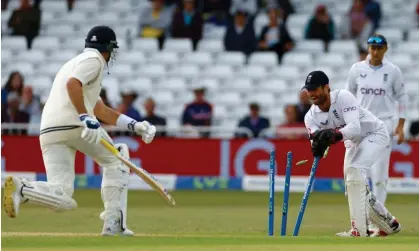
(114,227)
(395,226)
(12,196)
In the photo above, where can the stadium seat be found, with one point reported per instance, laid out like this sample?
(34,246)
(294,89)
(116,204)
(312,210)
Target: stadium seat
(6,56)
(32,56)
(267,59)
(62,56)
(165,57)
(219,71)
(152,71)
(309,46)
(287,72)
(235,59)
(119,6)
(109,18)
(163,97)
(87,6)
(393,35)
(186,71)
(111,85)
(14,43)
(146,45)
(41,85)
(211,84)
(273,85)
(211,45)
(61,31)
(46,43)
(213,31)
(181,45)
(297,59)
(54,6)
(172,84)
(413,35)
(143,85)
(132,57)
(410,47)
(228,99)
(331,59)
(220,112)
(401,60)
(121,70)
(49,69)
(239,84)
(326,69)
(198,58)
(253,71)
(265,99)
(343,46)
(74,17)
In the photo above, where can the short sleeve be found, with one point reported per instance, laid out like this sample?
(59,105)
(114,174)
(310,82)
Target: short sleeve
(87,70)
(310,123)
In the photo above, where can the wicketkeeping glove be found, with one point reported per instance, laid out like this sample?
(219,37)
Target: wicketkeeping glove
(91,132)
(330,136)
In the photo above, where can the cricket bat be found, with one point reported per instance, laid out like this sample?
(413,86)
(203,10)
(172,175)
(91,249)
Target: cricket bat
(141,172)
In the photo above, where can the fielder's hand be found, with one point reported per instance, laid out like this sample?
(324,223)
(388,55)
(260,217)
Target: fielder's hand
(146,130)
(91,132)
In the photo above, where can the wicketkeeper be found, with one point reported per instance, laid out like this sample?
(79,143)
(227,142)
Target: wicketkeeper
(336,116)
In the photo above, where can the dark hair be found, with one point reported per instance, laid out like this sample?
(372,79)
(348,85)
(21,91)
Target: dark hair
(8,86)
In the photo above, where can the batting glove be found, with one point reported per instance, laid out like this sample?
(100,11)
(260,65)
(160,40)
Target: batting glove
(91,132)
(146,130)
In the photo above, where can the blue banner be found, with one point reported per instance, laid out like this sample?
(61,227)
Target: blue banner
(208,183)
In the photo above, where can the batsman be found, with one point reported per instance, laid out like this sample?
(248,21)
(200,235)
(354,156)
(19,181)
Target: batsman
(336,116)
(70,124)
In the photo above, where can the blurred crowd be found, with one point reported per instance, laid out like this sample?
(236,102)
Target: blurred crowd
(185,19)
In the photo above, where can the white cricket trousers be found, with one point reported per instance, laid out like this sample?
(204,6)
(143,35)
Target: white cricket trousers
(59,159)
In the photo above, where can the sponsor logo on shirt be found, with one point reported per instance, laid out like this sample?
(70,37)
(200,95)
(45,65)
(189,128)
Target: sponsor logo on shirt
(336,114)
(385,77)
(324,123)
(349,109)
(362,75)
(372,91)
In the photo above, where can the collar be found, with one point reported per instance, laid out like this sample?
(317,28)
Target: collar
(97,52)
(333,99)
(367,62)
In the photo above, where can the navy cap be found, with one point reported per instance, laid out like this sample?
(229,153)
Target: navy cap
(315,79)
(377,40)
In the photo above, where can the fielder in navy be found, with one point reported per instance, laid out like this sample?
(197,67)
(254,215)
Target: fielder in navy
(379,87)
(337,116)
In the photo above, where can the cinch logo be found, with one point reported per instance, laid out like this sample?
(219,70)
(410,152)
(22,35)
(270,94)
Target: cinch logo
(372,91)
(348,109)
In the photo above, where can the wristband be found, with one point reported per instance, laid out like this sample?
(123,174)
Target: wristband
(125,122)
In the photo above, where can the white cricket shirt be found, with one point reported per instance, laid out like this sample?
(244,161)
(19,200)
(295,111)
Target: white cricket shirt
(344,114)
(378,88)
(59,113)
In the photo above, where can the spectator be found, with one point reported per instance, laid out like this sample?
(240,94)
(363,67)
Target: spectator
(417,15)
(35,118)
(285,5)
(275,36)
(373,11)
(240,36)
(188,23)
(30,103)
(254,122)
(13,84)
(127,105)
(356,24)
(216,11)
(250,6)
(291,115)
(25,21)
(320,26)
(303,106)
(11,113)
(155,21)
(199,112)
(149,106)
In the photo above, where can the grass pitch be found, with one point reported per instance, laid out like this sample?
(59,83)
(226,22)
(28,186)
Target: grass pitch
(205,220)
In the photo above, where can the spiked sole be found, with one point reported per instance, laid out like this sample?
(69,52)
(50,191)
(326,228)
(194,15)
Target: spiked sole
(9,190)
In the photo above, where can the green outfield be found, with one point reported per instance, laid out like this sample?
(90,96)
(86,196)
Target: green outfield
(204,220)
